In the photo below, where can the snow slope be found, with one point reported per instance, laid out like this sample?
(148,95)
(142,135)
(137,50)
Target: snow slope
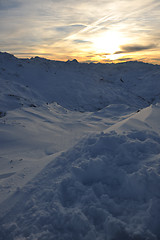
(85,87)
(79,150)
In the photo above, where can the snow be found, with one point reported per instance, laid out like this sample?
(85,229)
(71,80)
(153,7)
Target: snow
(79,150)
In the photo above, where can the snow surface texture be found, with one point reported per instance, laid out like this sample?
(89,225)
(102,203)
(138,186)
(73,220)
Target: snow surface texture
(79,150)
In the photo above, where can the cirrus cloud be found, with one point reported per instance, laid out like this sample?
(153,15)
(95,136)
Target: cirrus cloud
(65,27)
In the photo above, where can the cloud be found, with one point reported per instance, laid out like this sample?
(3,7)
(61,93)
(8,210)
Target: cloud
(9,4)
(91,55)
(78,41)
(124,59)
(135,48)
(92,27)
(67,26)
(30,53)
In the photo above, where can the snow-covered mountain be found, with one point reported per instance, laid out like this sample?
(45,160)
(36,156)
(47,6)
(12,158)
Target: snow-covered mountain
(76,86)
(79,150)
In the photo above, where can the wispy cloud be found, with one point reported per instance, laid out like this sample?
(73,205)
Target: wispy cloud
(67,27)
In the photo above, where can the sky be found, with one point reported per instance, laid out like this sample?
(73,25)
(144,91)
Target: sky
(90,31)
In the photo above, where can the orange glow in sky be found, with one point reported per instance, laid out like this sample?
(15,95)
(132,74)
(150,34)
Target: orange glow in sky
(107,31)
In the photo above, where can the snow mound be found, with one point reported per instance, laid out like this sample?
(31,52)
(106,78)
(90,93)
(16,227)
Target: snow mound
(106,187)
(147,118)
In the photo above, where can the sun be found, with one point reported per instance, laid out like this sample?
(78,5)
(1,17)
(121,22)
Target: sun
(108,42)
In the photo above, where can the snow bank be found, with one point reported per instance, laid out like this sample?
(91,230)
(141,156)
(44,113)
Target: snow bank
(145,119)
(106,187)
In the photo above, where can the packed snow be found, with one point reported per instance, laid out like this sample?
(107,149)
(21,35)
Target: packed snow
(79,150)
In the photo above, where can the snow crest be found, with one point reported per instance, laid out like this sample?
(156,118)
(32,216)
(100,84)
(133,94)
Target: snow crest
(106,187)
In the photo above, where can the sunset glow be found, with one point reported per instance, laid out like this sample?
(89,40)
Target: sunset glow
(108,42)
(66,29)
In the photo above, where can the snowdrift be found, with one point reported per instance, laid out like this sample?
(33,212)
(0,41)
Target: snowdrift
(90,174)
(105,187)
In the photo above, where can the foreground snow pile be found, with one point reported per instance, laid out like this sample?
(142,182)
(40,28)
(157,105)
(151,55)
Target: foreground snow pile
(106,187)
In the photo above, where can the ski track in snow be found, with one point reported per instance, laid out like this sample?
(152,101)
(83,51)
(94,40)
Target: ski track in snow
(79,150)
